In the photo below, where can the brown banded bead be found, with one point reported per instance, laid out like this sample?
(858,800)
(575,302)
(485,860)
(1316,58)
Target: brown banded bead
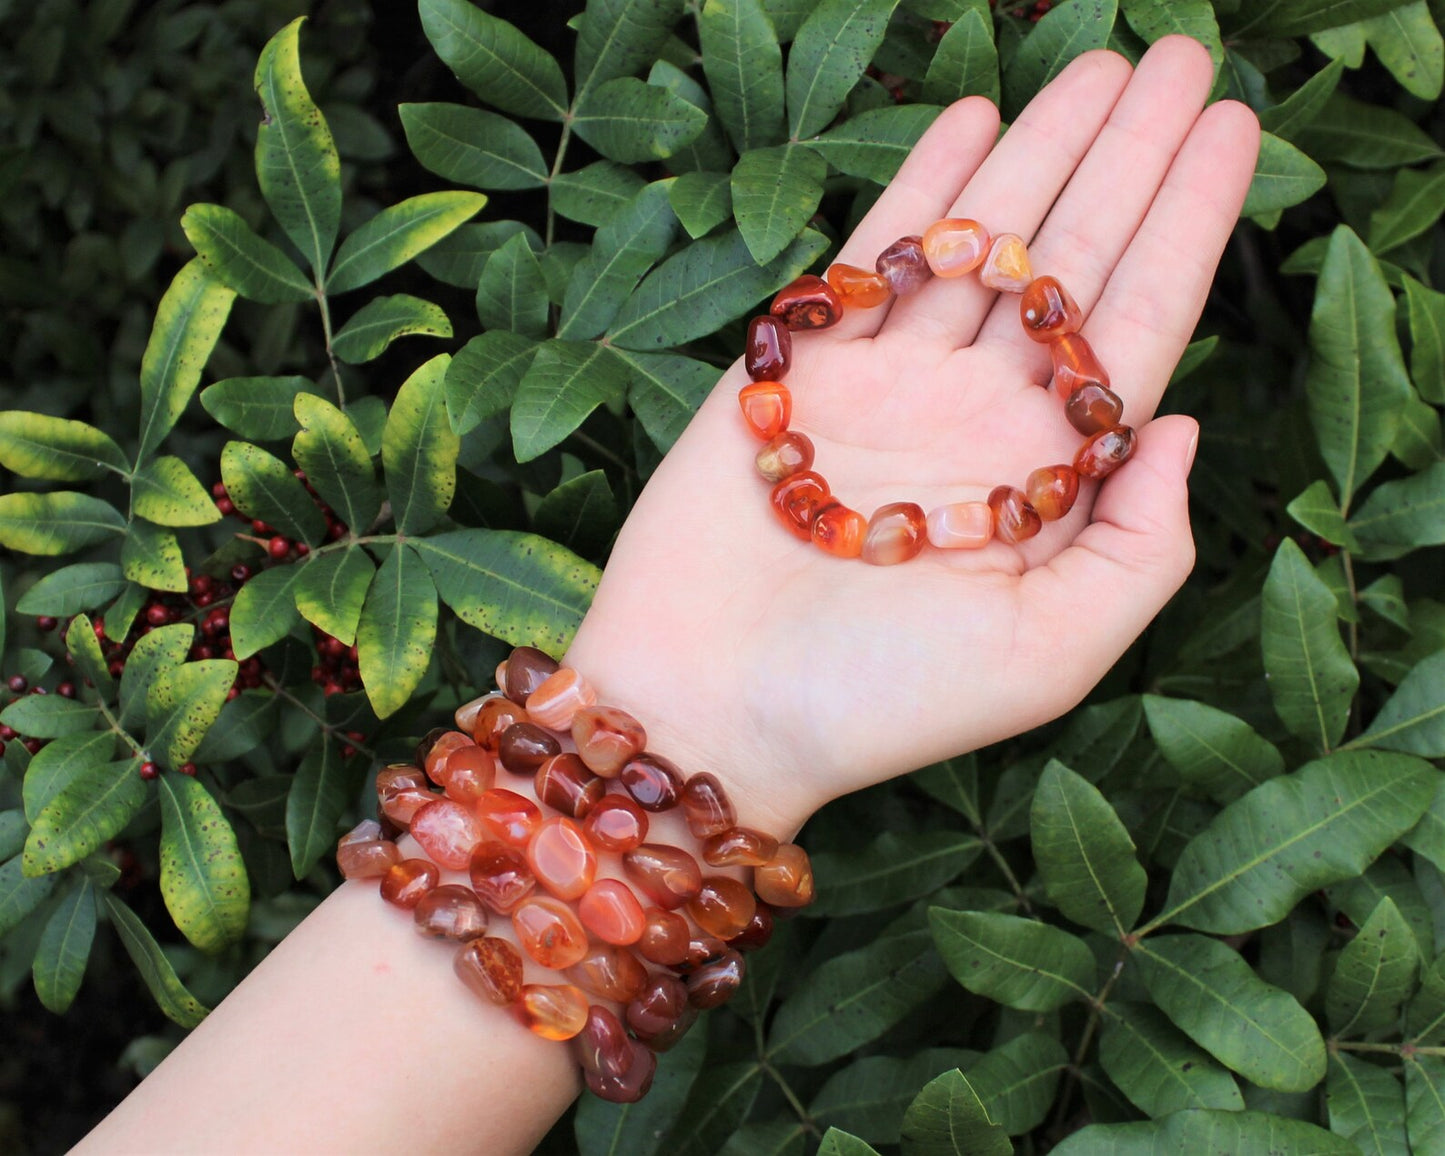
(616,824)
(553,1011)
(1047,311)
(960,526)
(1007,267)
(739,847)
(425,744)
(1093,408)
(608,972)
(706,806)
(654,782)
(606,738)
(786,880)
(526,669)
(787,454)
(628,1088)
(549,932)
(494,717)
(664,938)
(713,984)
(500,875)
(492,968)
(406,882)
(768,354)
(554,704)
(669,876)
(564,783)
(1052,491)
(466,714)
(808,302)
(451,912)
(904,265)
(701,950)
(523,747)
(722,907)
(796,501)
(603,1046)
(561,858)
(660,1013)
(1105,452)
(1014,520)
(392,780)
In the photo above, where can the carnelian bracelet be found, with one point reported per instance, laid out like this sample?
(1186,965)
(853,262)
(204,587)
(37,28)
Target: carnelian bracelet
(898,531)
(532,867)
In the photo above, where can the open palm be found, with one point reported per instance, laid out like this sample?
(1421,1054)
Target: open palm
(803,676)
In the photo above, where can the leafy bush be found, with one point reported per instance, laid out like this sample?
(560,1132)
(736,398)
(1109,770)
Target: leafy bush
(1201,911)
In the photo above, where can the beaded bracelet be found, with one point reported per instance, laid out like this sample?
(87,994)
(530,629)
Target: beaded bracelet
(898,531)
(532,867)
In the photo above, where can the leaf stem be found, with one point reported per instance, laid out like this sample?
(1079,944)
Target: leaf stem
(1002,864)
(562,143)
(330,731)
(807,1121)
(330,353)
(1096,1006)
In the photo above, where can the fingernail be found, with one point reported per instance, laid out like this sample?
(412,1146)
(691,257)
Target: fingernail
(1190,452)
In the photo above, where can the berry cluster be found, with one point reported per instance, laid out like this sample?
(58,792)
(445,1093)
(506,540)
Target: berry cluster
(278,547)
(19,685)
(337,668)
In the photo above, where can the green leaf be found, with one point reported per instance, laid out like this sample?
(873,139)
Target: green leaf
(965,63)
(1425,1015)
(1386,597)
(829,53)
(241,260)
(948,1118)
(1317,511)
(1413,206)
(580,514)
(472,146)
(397,631)
(512,293)
(181,704)
(163,649)
(72,589)
(203,879)
(167,493)
(1157,1067)
(1017,962)
(84,651)
(330,591)
(57,522)
(1366,1106)
(871,1096)
(1298,17)
(1400,515)
(1155,19)
(666,390)
(264,610)
(419,451)
(1311,678)
(715,1109)
(168,991)
(151,556)
(1199,1130)
(13,830)
(1365,136)
(259,408)
(60,959)
(329,448)
(1374,976)
(1427,340)
(319,795)
(1217,1000)
(19,895)
(709,151)
(593,193)
(711,281)
(891,870)
(855,997)
(1283,176)
(459,257)
(1292,114)
(1413,720)
(744,68)
(58,764)
(94,802)
(1018,1080)
(629,121)
(398,233)
(836,1143)
(607,1129)
(630,243)
(1084,855)
(296,162)
(54,449)
(618,37)
(494,60)
(775,193)
(1409,45)
(1419,443)
(1292,835)
(382,320)
(482,379)
(1066,31)
(47,716)
(244,723)
(1213,751)
(1425,1103)
(263,487)
(566,381)
(702,201)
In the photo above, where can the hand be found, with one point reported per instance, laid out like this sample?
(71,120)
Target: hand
(797,676)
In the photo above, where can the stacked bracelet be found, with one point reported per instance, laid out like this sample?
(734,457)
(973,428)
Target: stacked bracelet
(898,531)
(537,865)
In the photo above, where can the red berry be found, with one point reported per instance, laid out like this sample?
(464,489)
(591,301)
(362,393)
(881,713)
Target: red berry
(99,626)
(217,622)
(233,693)
(148,770)
(33,745)
(203,599)
(38,690)
(46,623)
(116,668)
(201,583)
(240,572)
(278,547)
(225,506)
(347,751)
(319,674)
(187,769)
(356,736)
(261,527)
(8,732)
(218,490)
(302,549)
(17,683)
(66,690)
(157,615)
(299,475)
(228,653)
(332,687)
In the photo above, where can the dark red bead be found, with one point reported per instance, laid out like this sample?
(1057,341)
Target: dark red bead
(660,1013)
(523,747)
(652,781)
(769,350)
(602,1046)
(715,982)
(1105,452)
(524,671)
(807,303)
(758,931)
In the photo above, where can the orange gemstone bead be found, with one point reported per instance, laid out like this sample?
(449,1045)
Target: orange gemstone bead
(787,879)
(556,702)
(363,854)
(1092,409)
(524,747)
(447,832)
(839,530)
(549,932)
(739,847)
(440,753)
(606,738)
(904,266)
(610,911)
(722,906)
(807,303)
(706,806)
(470,772)
(955,246)
(1047,310)
(401,790)
(466,714)
(858,288)
(525,670)
(664,938)
(564,783)
(1105,452)
(494,716)
(714,983)
(1014,520)
(767,407)
(553,1011)
(615,824)
(492,968)
(561,858)
(1075,364)
(603,1046)
(796,501)
(406,882)
(654,782)
(768,354)
(451,912)
(1052,490)
(608,972)
(896,533)
(787,454)
(660,1013)
(508,816)
(500,876)
(669,876)
(1007,268)
(960,526)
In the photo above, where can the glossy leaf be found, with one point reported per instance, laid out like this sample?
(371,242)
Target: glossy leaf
(632,240)
(1413,719)
(72,589)
(153,654)
(151,556)
(258,408)
(263,487)
(1297,17)
(164,491)
(618,37)
(1216,999)
(775,193)
(382,320)
(870,1096)
(1155,19)
(1366,136)
(314,805)
(296,162)
(56,522)
(458,258)
(1084,855)
(397,234)
(1018,1080)
(565,382)
(1374,976)
(890,870)
(55,449)
(331,590)
(483,376)
(20,895)
(1213,751)
(495,60)
(60,960)
(1427,340)
(1409,45)
(948,1118)
(702,201)
(83,649)
(1400,515)
(1157,1067)
(1413,206)
(203,879)
(160,977)
(48,716)
(965,63)
(666,390)
(181,704)
(264,610)
(832,48)
(709,150)
(471,146)
(715,1108)
(744,68)
(338,467)
(1317,511)
(581,514)
(419,450)
(628,120)
(512,293)
(1425,1102)
(593,193)
(397,631)
(1064,32)
(1283,176)
(240,259)
(1206,1130)
(839,1143)
(1425,1014)
(93,803)
(1366,1106)
(1019,963)
(56,765)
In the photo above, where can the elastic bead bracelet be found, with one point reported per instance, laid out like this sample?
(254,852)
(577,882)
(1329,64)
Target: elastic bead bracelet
(898,531)
(663,945)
